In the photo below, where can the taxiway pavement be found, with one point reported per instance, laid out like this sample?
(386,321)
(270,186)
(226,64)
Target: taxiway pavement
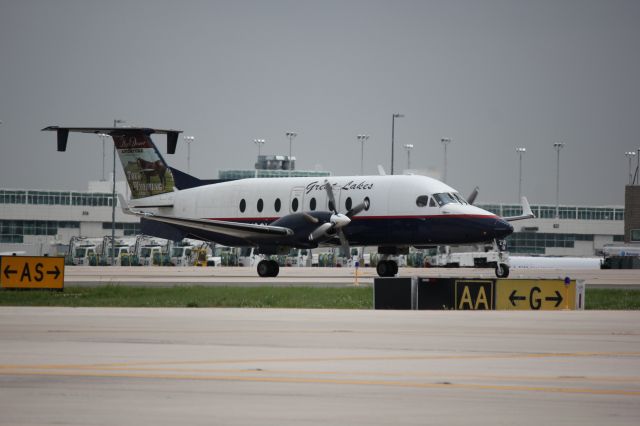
(83,366)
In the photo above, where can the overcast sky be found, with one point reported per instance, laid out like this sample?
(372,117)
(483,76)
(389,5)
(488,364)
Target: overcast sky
(490,75)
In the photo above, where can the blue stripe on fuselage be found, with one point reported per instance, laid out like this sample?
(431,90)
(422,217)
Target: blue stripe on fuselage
(418,230)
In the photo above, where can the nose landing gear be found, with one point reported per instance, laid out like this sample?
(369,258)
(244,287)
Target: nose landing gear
(502,268)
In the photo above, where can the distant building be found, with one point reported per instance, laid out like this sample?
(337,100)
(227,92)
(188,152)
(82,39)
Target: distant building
(580,230)
(34,221)
(632,219)
(272,166)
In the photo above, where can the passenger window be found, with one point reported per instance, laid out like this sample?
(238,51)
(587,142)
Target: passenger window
(348,203)
(260,205)
(243,205)
(367,203)
(312,204)
(294,205)
(422,201)
(277,205)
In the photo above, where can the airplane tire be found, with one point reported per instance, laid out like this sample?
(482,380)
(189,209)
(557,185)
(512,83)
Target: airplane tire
(502,270)
(386,268)
(275,268)
(264,268)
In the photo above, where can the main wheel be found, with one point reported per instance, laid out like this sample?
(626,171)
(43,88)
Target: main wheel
(264,268)
(387,268)
(502,270)
(394,267)
(275,268)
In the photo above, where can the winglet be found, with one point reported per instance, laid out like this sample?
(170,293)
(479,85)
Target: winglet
(526,212)
(381,171)
(526,209)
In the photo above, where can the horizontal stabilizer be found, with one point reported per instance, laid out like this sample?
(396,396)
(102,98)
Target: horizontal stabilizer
(63,134)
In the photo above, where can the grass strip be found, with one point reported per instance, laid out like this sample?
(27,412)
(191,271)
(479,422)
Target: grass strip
(195,297)
(249,297)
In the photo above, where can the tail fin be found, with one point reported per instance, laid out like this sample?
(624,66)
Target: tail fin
(145,170)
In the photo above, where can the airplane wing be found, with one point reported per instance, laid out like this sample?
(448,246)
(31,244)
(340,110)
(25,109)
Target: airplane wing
(526,212)
(246,231)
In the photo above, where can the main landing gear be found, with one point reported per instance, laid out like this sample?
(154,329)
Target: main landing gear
(268,268)
(387,268)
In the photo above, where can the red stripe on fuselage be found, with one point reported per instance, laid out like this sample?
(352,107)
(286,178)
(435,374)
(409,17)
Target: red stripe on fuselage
(440,216)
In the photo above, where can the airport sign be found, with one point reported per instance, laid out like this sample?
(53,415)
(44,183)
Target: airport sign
(534,295)
(32,272)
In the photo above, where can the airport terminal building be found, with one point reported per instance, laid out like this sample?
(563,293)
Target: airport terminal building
(39,222)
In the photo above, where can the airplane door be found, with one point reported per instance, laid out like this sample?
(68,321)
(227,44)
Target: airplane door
(296,199)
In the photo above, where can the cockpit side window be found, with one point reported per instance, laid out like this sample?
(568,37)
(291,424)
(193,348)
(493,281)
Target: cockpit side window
(459,198)
(422,201)
(432,202)
(445,198)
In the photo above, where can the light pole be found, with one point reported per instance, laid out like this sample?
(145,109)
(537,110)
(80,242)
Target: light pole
(291,136)
(408,147)
(259,142)
(630,156)
(393,134)
(362,139)
(558,146)
(113,200)
(520,152)
(103,136)
(445,142)
(635,174)
(188,140)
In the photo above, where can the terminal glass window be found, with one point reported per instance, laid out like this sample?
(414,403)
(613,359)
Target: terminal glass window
(511,210)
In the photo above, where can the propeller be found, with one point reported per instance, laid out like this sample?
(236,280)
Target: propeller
(472,197)
(338,220)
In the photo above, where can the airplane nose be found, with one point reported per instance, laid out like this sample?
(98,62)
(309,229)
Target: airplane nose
(502,229)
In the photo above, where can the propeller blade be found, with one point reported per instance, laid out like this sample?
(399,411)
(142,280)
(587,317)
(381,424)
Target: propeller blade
(472,197)
(332,201)
(344,243)
(320,231)
(357,209)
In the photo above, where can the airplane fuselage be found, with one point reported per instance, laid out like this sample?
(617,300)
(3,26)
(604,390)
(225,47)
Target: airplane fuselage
(403,210)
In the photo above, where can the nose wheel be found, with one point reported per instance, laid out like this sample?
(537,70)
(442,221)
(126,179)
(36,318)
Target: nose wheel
(502,269)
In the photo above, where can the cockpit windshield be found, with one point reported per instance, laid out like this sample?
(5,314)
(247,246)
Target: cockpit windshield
(448,197)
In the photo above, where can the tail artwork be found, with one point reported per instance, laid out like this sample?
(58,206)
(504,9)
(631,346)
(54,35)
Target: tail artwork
(145,170)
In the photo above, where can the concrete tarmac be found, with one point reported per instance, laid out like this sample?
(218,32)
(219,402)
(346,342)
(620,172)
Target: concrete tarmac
(323,277)
(88,366)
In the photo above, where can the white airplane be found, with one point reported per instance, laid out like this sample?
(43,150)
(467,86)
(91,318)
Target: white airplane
(391,212)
